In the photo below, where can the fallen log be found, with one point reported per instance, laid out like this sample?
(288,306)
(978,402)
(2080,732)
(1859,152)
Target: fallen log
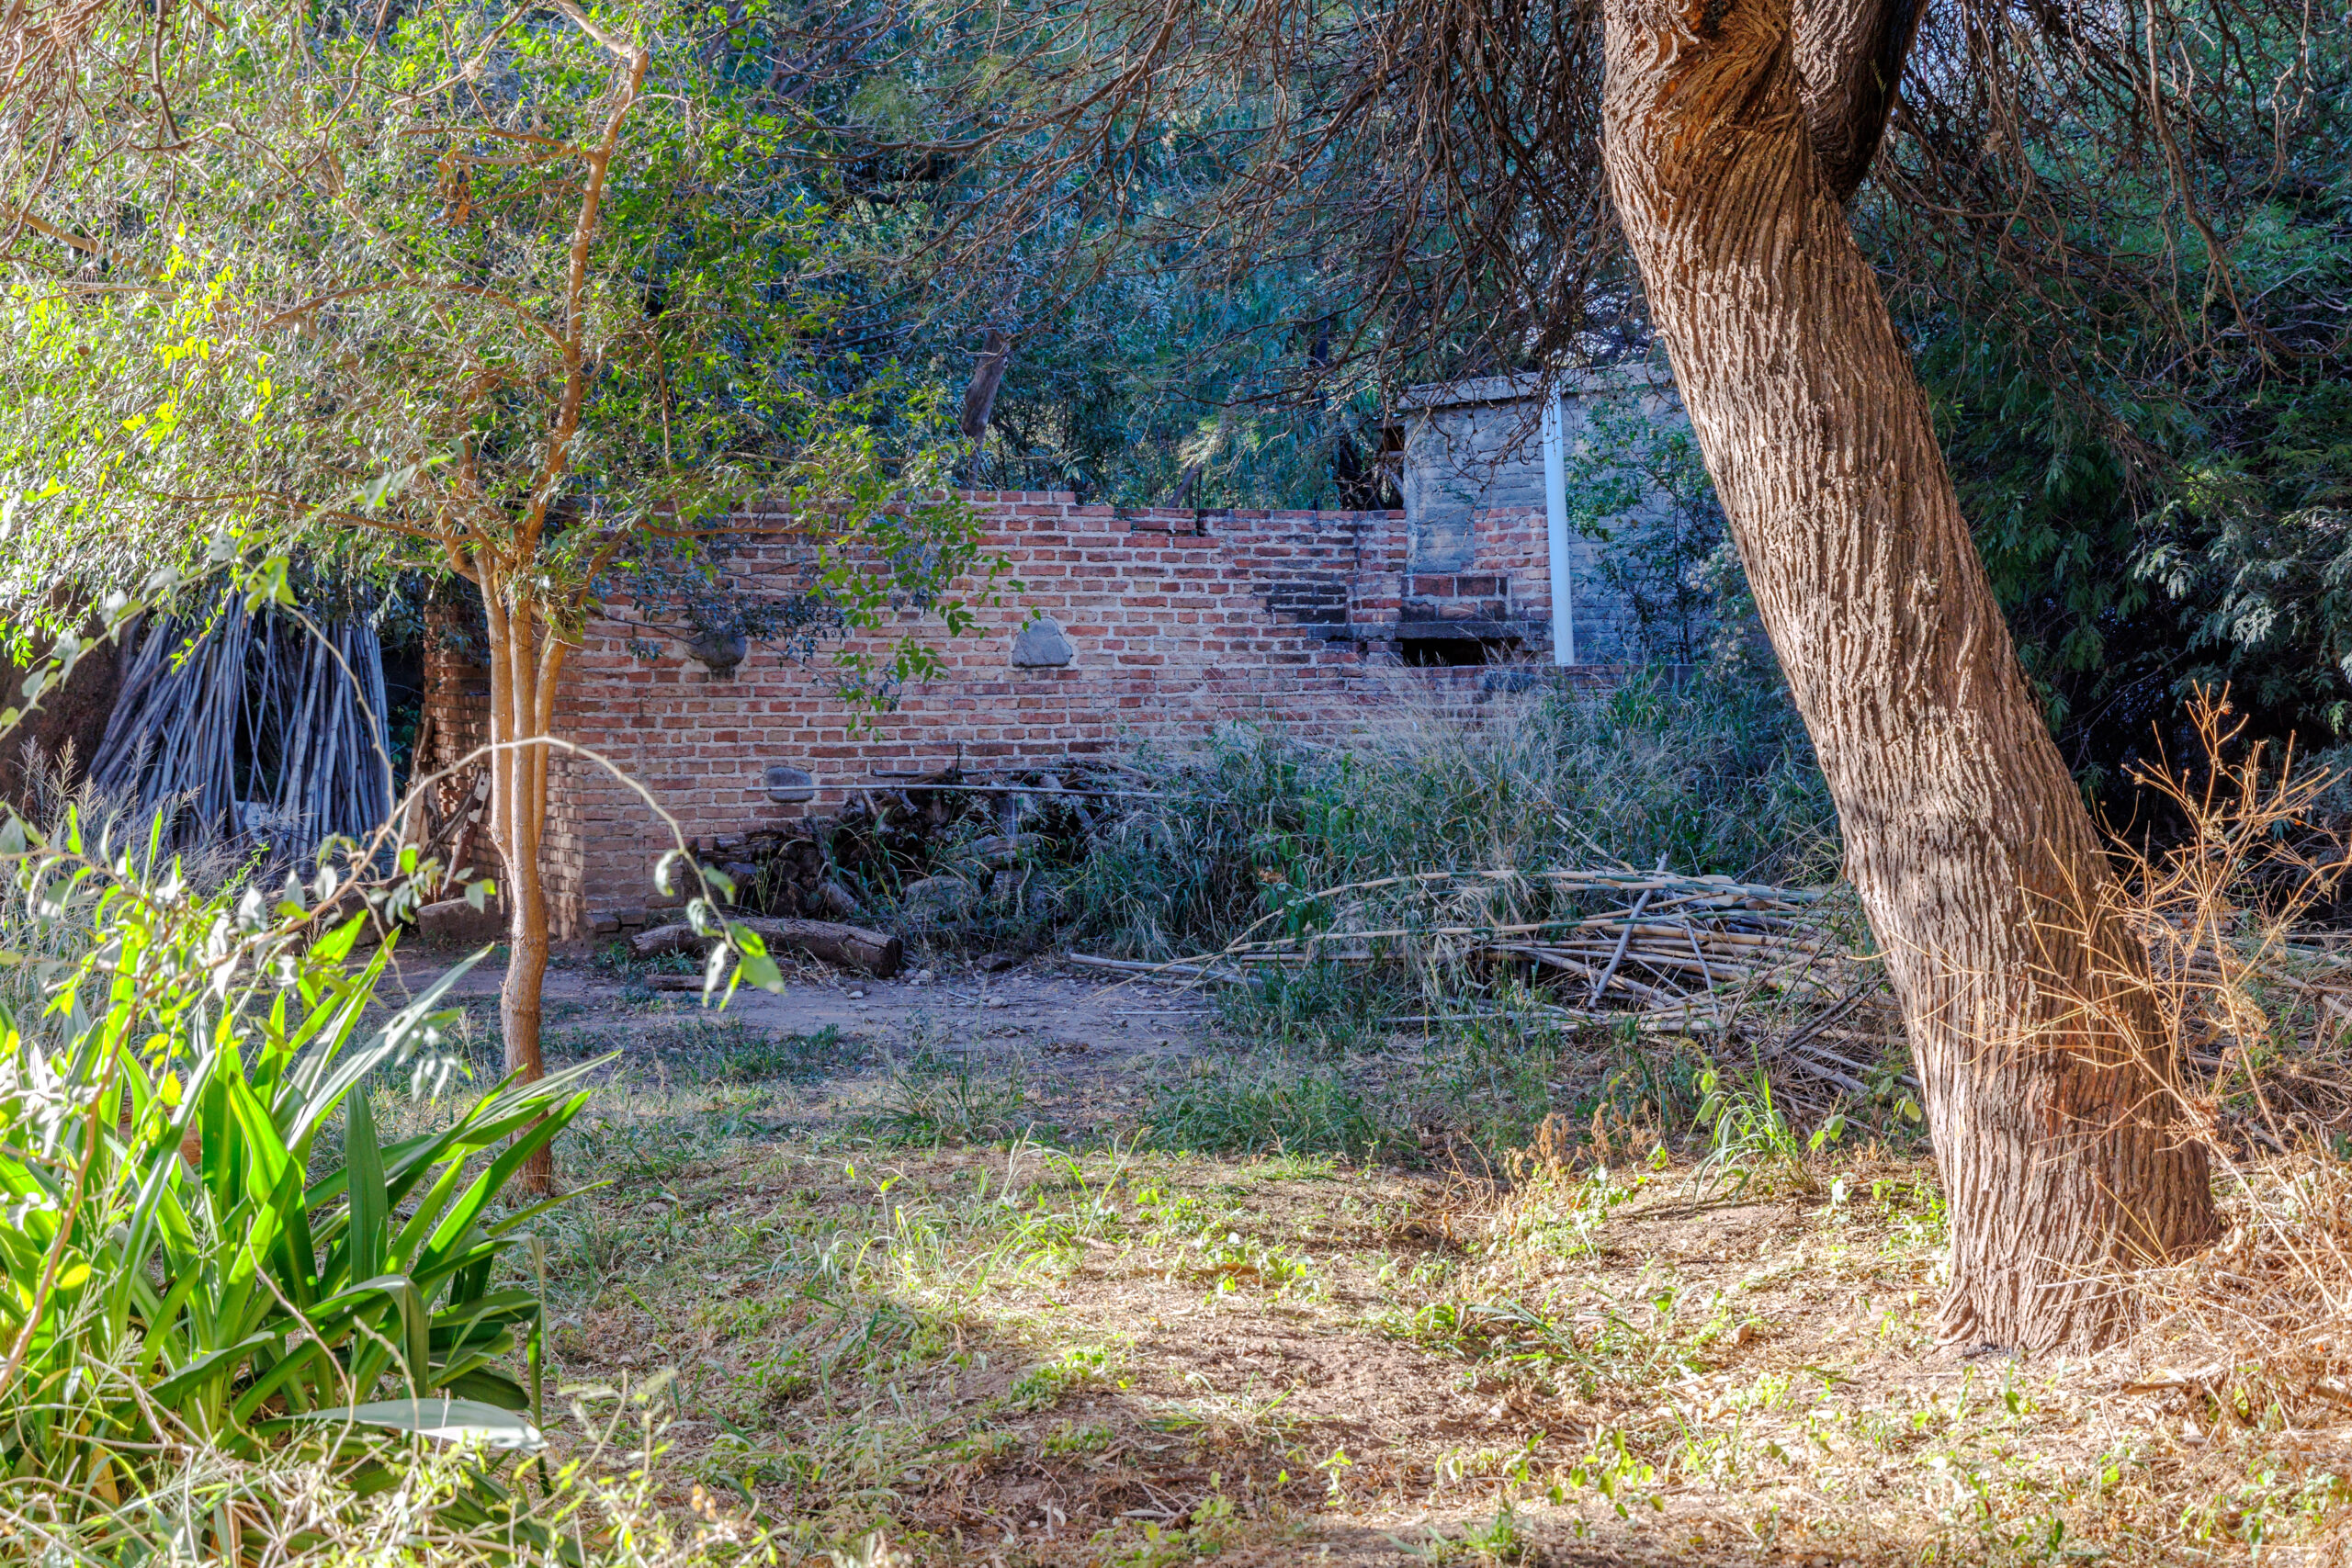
(851,947)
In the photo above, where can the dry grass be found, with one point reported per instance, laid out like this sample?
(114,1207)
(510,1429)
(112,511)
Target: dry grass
(1018,1355)
(2253,1335)
(1353,1325)
(1495,1289)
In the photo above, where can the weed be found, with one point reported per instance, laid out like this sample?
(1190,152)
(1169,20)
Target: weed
(937,1098)
(1748,1135)
(1208,1530)
(1230,1259)
(737,1054)
(1612,1470)
(1066,1438)
(1913,1207)
(1500,1539)
(1320,1010)
(1050,1382)
(1271,1108)
(1563,1217)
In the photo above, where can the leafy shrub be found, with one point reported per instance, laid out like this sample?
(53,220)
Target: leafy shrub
(190,1256)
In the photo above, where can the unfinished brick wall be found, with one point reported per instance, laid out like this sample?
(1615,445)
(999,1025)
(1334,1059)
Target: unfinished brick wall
(1177,621)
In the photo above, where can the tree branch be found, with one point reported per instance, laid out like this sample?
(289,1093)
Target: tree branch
(1850,56)
(987,375)
(631,60)
(65,236)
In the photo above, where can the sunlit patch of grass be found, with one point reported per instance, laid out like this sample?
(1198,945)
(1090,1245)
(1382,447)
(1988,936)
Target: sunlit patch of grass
(1273,1107)
(1048,1383)
(873,1334)
(1597,1343)
(806,1287)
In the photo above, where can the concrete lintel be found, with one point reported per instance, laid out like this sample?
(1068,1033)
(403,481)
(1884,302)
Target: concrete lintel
(1523,386)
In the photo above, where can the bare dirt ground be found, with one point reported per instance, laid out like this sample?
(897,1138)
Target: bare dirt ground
(908,1257)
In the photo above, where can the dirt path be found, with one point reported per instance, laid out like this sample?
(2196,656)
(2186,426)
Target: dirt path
(1072,1031)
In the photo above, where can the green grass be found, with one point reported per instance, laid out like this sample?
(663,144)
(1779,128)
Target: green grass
(1717,778)
(1271,1106)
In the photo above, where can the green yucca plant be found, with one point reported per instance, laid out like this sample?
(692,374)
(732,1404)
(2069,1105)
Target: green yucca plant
(184,1259)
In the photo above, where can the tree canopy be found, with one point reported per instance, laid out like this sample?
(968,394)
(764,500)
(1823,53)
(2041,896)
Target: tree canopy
(444,286)
(1223,240)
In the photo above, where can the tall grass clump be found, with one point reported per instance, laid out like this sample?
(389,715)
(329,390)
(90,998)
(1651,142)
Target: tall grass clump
(1715,777)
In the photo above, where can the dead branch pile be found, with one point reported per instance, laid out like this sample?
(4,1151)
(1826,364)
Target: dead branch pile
(785,872)
(972,822)
(1764,971)
(943,840)
(1783,976)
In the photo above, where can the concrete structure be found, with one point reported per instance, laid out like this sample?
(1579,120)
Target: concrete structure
(1475,452)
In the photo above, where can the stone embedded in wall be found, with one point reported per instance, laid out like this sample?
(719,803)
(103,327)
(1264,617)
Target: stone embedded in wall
(719,652)
(788,784)
(1042,647)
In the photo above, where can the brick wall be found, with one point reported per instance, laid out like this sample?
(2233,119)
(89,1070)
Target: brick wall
(1177,621)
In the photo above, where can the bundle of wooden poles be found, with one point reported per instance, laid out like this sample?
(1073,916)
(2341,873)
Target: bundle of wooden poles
(1779,976)
(1751,966)
(253,728)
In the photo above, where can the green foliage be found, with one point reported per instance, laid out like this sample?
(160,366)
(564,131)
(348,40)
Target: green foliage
(1150,353)
(510,294)
(1715,778)
(2153,443)
(1748,1135)
(1638,484)
(192,1252)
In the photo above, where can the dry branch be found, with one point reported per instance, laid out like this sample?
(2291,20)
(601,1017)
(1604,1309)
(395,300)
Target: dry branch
(851,947)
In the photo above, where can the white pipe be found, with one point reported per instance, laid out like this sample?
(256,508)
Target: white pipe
(1556,525)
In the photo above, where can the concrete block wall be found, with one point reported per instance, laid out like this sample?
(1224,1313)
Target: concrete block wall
(1179,621)
(1474,455)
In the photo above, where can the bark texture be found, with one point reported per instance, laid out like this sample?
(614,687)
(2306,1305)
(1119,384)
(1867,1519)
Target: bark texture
(1849,58)
(525,660)
(987,375)
(2064,1158)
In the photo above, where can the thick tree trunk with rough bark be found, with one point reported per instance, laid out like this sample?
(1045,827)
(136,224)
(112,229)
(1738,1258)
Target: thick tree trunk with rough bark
(2064,1158)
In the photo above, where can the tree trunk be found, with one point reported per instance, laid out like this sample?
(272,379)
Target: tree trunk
(2050,1093)
(524,659)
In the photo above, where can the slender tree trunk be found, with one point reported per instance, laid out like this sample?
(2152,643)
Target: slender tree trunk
(2064,1158)
(520,703)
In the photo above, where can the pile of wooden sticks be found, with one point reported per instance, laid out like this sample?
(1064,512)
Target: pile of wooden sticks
(1753,967)
(252,728)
